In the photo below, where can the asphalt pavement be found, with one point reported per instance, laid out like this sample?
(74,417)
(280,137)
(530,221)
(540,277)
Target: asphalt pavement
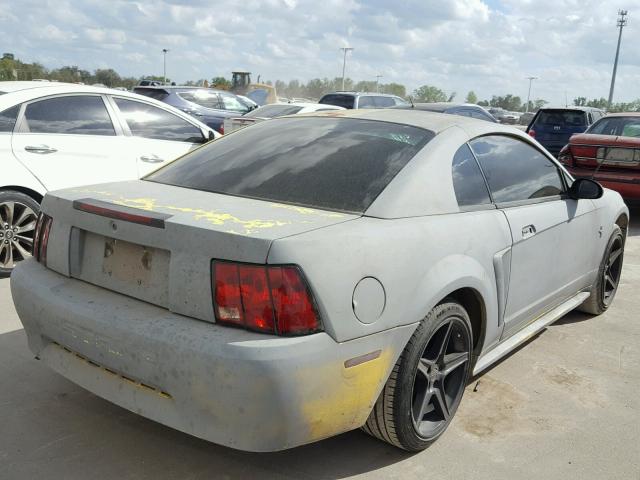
(564,406)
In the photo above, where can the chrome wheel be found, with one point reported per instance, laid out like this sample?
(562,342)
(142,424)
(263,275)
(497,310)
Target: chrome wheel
(17,226)
(612,271)
(440,378)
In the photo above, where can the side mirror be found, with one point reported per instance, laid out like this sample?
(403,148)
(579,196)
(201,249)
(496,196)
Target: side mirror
(585,188)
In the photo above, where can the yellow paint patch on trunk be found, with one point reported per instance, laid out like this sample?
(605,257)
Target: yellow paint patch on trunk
(342,398)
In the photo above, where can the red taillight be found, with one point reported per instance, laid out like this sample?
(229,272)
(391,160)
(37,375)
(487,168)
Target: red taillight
(532,133)
(41,238)
(221,129)
(272,299)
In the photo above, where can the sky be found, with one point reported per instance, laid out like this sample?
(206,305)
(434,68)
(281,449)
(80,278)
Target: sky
(488,46)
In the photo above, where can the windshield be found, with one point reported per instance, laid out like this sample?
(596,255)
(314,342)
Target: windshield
(272,111)
(321,162)
(622,126)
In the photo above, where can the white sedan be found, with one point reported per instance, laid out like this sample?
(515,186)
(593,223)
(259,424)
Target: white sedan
(55,135)
(275,110)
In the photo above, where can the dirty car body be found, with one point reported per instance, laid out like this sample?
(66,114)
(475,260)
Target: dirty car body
(258,292)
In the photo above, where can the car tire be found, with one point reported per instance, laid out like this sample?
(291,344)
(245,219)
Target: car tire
(609,273)
(18,215)
(433,368)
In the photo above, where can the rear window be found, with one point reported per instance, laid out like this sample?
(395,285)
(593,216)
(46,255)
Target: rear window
(623,126)
(569,118)
(345,101)
(272,111)
(156,93)
(329,163)
(202,98)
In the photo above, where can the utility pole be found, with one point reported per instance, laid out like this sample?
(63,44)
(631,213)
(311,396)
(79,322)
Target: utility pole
(378,77)
(531,79)
(164,64)
(344,62)
(622,22)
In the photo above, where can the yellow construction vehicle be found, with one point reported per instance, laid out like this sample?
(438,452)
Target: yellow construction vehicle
(260,93)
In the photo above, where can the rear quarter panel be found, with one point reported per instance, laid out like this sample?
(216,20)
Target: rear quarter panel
(419,261)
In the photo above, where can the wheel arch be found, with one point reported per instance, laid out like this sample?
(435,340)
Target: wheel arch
(623,222)
(473,302)
(27,191)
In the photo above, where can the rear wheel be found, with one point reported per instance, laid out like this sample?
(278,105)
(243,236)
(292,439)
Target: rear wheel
(18,215)
(426,385)
(609,275)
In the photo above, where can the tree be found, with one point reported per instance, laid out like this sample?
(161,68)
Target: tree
(508,102)
(221,83)
(580,101)
(429,94)
(471,97)
(108,77)
(394,89)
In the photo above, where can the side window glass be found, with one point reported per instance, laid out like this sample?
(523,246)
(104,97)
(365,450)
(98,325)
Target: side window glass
(383,102)
(148,121)
(73,115)
(8,119)
(232,103)
(515,170)
(366,102)
(468,183)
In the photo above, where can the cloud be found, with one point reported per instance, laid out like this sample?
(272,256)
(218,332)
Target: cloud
(488,46)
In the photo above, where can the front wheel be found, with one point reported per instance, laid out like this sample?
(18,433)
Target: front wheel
(18,216)
(426,385)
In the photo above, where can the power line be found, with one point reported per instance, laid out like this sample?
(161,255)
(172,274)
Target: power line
(622,22)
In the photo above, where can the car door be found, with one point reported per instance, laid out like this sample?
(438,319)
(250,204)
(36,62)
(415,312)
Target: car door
(155,135)
(71,140)
(554,237)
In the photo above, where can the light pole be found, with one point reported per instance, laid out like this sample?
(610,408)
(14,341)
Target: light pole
(378,77)
(344,62)
(622,22)
(164,64)
(531,79)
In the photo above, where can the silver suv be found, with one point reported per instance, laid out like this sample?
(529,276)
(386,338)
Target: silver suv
(362,100)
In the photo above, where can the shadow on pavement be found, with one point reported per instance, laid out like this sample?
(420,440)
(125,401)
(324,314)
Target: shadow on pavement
(52,428)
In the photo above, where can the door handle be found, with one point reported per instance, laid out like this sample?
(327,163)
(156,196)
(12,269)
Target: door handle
(42,149)
(151,159)
(528,231)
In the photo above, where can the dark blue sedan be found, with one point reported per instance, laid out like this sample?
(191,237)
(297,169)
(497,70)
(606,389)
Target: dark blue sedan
(206,104)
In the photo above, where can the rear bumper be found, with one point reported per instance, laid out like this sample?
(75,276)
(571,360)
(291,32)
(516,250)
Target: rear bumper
(627,185)
(236,388)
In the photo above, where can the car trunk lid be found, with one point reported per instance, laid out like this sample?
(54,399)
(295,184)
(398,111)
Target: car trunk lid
(155,242)
(614,152)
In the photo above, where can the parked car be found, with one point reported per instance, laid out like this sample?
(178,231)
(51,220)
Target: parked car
(362,100)
(57,136)
(149,83)
(209,106)
(317,273)
(464,109)
(275,110)
(552,127)
(608,151)
(525,118)
(510,118)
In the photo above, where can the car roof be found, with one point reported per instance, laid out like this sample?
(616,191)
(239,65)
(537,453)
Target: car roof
(360,94)
(572,107)
(9,87)
(184,88)
(433,121)
(623,114)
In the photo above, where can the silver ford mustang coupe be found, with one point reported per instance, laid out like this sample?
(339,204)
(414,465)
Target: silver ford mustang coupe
(312,275)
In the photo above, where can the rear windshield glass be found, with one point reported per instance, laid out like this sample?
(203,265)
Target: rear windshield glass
(569,118)
(151,92)
(623,126)
(329,163)
(202,98)
(345,101)
(272,111)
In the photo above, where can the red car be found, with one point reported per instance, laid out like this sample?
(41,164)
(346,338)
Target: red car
(609,151)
